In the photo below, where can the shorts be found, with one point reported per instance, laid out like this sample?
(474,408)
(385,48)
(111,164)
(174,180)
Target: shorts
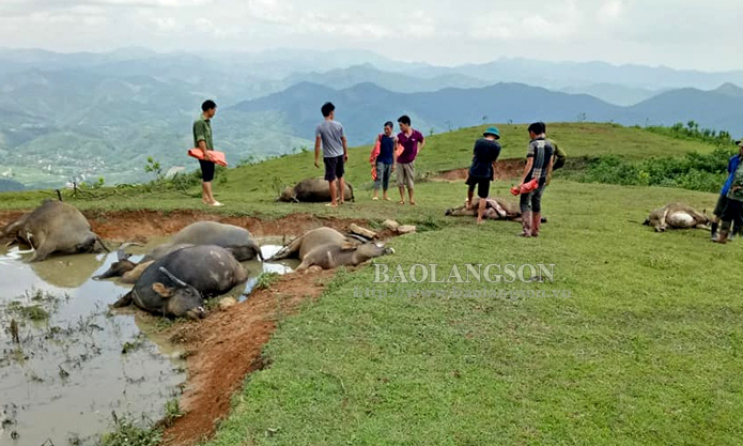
(207,171)
(722,202)
(333,168)
(482,183)
(406,174)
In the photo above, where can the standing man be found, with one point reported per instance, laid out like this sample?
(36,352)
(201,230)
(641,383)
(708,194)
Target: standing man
(202,136)
(330,135)
(539,162)
(733,212)
(733,163)
(384,160)
(411,141)
(482,171)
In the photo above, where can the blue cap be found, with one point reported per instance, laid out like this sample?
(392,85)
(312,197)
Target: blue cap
(492,131)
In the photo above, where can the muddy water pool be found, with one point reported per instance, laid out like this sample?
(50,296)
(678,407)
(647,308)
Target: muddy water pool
(68,363)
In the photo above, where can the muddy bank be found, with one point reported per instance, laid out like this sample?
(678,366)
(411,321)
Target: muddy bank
(504,170)
(140,226)
(225,347)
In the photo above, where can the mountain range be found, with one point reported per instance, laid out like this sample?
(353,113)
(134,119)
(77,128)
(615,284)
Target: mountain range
(365,107)
(84,115)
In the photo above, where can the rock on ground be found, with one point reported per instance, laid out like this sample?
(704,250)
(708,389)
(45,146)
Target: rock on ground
(406,229)
(227,303)
(358,230)
(391,225)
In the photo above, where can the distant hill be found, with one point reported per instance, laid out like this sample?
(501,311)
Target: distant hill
(397,82)
(718,109)
(558,75)
(616,94)
(11,186)
(88,115)
(365,107)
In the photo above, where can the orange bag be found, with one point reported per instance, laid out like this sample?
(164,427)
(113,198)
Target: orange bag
(217,157)
(525,188)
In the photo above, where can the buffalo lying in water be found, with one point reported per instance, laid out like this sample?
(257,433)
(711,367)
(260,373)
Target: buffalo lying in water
(312,190)
(235,239)
(676,216)
(177,284)
(328,248)
(54,227)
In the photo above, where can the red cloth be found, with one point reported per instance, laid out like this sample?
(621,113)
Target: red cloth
(373,157)
(218,157)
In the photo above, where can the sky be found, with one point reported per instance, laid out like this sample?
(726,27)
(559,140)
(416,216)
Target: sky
(687,34)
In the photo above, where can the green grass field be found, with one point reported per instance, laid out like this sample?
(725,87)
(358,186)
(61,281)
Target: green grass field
(648,348)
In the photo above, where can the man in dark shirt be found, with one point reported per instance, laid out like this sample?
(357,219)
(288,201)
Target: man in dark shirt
(539,162)
(482,171)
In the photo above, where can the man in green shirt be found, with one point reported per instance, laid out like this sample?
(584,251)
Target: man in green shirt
(202,137)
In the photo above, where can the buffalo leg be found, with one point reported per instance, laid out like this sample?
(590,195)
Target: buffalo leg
(124,301)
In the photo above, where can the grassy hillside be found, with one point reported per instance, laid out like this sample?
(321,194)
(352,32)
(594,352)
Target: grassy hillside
(252,188)
(646,350)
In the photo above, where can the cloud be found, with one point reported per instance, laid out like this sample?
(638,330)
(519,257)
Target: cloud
(445,31)
(167,24)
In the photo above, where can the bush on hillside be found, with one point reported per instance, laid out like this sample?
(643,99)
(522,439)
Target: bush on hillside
(695,171)
(691,131)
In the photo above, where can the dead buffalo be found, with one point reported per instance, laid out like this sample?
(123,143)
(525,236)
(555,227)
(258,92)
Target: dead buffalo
(328,248)
(496,208)
(54,227)
(676,216)
(237,240)
(177,284)
(312,190)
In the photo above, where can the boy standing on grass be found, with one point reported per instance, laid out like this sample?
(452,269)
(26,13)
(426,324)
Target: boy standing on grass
(734,201)
(202,136)
(330,135)
(539,162)
(411,141)
(384,161)
(733,163)
(482,171)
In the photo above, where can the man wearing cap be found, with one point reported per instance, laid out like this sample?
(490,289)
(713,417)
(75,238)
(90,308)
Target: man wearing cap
(725,210)
(482,170)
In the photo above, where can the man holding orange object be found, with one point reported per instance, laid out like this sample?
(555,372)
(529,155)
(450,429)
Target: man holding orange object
(202,135)
(539,163)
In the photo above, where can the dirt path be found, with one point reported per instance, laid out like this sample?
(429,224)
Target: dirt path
(226,346)
(504,170)
(139,226)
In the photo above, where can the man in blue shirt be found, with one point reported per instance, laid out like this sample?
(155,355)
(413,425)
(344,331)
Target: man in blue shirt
(722,202)
(384,162)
